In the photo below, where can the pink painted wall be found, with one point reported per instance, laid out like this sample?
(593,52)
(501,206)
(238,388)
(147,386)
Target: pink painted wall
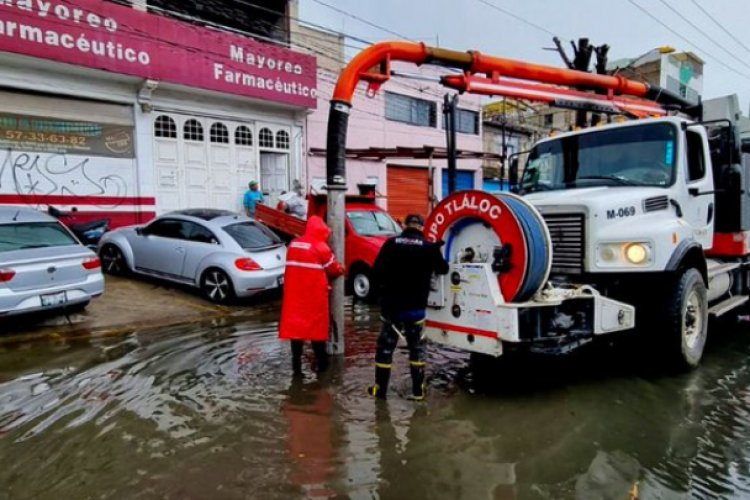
(369,128)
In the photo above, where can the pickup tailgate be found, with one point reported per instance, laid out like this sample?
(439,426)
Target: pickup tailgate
(280,221)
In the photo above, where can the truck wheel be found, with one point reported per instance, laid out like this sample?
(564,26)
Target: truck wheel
(687,320)
(361,284)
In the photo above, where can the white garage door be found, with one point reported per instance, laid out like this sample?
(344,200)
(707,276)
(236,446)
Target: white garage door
(207,162)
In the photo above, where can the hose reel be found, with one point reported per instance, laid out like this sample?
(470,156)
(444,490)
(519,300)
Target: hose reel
(502,230)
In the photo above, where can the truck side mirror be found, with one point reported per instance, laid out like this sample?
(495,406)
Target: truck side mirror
(513,171)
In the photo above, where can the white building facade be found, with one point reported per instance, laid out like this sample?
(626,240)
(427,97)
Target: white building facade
(124,114)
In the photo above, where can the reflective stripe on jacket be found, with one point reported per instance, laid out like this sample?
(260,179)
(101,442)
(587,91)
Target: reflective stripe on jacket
(310,263)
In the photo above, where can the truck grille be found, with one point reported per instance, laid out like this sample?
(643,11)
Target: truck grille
(568,242)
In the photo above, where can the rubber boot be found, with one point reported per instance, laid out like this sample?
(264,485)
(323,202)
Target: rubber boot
(297,357)
(382,376)
(321,356)
(417,380)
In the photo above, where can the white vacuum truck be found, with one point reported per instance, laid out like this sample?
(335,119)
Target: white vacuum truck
(642,224)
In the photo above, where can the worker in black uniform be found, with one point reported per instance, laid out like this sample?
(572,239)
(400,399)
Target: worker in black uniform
(403,271)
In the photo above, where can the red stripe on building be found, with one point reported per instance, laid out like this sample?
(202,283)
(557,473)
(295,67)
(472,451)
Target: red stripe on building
(56,199)
(462,329)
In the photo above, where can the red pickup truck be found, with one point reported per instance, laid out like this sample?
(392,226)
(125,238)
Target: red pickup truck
(367,227)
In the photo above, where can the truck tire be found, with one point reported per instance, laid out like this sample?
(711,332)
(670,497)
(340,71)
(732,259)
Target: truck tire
(361,284)
(686,320)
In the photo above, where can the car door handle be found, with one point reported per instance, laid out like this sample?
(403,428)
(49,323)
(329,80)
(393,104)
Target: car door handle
(180,249)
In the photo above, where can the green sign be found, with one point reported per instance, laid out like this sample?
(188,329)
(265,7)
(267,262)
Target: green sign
(52,135)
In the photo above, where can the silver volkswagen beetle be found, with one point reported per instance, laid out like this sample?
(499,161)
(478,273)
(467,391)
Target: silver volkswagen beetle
(42,265)
(223,253)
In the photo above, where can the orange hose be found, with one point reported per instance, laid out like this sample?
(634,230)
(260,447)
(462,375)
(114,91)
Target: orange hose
(557,76)
(419,53)
(372,56)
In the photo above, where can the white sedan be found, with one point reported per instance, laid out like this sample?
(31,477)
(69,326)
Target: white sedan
(42,265)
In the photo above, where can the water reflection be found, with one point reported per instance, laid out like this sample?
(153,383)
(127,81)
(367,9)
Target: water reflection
(311,440)
(211,411)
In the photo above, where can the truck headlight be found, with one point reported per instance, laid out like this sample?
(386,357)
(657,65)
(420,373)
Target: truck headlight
(624,254)
(636,253)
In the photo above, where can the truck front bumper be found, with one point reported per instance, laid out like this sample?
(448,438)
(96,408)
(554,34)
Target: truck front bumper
(474,317)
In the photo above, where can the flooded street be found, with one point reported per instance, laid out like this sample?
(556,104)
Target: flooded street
(211,411)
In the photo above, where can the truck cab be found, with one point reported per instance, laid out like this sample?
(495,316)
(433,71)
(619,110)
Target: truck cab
(624,198)
(367,226)
(632,210)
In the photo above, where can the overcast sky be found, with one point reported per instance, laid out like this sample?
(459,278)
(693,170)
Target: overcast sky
(628,30)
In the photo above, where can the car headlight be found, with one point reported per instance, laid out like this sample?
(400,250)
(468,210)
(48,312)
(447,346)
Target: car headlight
(624,254)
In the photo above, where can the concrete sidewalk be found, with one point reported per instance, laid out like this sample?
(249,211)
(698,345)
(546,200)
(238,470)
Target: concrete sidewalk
(132,303)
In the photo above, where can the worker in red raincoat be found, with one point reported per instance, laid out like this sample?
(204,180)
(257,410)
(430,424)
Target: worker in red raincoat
(310,264)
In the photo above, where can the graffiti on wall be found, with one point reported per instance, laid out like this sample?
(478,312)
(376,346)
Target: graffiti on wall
(44,174)
(89,163)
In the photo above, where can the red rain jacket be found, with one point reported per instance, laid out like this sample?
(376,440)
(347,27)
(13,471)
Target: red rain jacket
(310,263)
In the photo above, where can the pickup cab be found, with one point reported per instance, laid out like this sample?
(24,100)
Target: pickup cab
(367,227)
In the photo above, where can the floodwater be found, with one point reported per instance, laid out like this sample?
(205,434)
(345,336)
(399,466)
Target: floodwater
(211,411)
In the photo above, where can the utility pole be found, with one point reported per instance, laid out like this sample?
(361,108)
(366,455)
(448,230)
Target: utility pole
(449,115)
(338,119)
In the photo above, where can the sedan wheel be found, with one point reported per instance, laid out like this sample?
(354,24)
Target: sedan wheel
(113,261)
(216,286)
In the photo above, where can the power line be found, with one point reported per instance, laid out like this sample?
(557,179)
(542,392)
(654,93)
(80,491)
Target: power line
(204,54)
(362,20)
(708,37)
(514,16)
(717,23)
(319,26)
(686,40)
(346,35)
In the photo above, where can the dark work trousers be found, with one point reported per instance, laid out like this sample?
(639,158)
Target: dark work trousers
(387,341)
(321,355)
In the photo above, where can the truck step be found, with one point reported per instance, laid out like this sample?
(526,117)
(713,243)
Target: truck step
(727,305)
(723,267)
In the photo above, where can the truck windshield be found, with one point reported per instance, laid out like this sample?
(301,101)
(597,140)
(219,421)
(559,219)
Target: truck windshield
(373,223)
(640,155)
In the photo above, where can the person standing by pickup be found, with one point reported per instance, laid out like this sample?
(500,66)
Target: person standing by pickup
(252,197)
(310,264)
(404,269)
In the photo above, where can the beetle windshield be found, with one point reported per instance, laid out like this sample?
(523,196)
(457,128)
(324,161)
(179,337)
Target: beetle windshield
(373,223)
(640,155)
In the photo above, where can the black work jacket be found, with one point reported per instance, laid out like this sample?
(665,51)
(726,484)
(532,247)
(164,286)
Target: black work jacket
(403,270)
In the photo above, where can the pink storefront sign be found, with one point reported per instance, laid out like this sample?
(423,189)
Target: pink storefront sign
(111,37)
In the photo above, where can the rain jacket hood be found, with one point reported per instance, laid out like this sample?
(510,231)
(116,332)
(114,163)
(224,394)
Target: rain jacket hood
(317,230)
